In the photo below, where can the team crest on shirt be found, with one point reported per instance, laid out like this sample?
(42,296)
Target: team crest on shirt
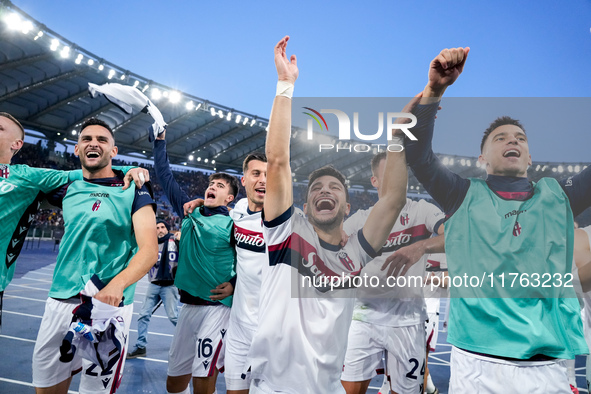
(346,260)
(96,205)
(516,229)
(404,219)
(4,171)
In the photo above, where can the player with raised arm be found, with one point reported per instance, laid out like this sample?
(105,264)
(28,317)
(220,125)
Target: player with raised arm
(503,225)
(299,346)
(206,262)
(109,244)
(250,260)
(391,319)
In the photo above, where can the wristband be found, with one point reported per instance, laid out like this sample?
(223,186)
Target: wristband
(397,140)
(284,89)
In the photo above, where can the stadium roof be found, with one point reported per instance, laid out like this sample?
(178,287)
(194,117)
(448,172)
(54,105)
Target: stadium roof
(44,83)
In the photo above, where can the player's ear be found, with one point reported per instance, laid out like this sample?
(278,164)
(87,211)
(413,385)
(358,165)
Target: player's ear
(305,208)
(242,181)
(76,150)
(348,209)
(16,146)
(374,181)
(529,162)
(229,199)
(482,160)
(114,151)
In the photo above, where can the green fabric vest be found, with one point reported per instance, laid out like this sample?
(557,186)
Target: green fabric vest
(98,238)
(206,256)
(533,239)
(19,187)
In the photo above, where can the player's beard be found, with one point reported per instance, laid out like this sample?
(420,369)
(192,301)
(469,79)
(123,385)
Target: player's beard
(92,168)
(328,224)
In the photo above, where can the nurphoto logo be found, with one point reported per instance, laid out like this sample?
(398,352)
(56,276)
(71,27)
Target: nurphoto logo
(344,130)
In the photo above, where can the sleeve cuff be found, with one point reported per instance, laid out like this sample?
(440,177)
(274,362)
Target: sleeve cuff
(365,245)
(284,217)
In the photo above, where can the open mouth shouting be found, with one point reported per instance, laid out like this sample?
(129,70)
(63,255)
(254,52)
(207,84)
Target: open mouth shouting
(325,205)
(512,153)
(93,154)
(260,191)
(210,195)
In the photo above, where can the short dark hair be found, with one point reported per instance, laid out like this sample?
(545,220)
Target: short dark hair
(375,162)
(20,126)
(328,170)
(259,156)
(498,122)
(232,181)
(96,122)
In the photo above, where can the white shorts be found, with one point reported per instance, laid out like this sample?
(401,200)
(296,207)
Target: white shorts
(259,386)
(238,341)
(432,331)
(198,344)
(48,370)
(473,373)
(405,354)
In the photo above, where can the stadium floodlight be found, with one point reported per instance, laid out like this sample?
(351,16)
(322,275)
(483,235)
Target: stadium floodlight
(553,169)
(122,77)
(570,168)
(156,94)
(205,160)
(111,73)
(78,59)
(165,93)
(73,132)
(198,106)
(538,167)
(560,169)
(252,122)
(26,27)
(213,162)
(451,161)
(174,97)
(39,35)
(13,20)
(54,44)
(136,83)
(90,62)
(221,114)
(146,88)
(198,159)
(468,163)
(445,161)
(59,133)
(189,106)
(245,120)
(238,117)
(191,157)
(577,168)
(101,67)
(65,52)
(463,162)
(212,111)
(229,116)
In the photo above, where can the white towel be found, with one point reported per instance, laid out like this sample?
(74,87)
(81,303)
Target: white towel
(128,98)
